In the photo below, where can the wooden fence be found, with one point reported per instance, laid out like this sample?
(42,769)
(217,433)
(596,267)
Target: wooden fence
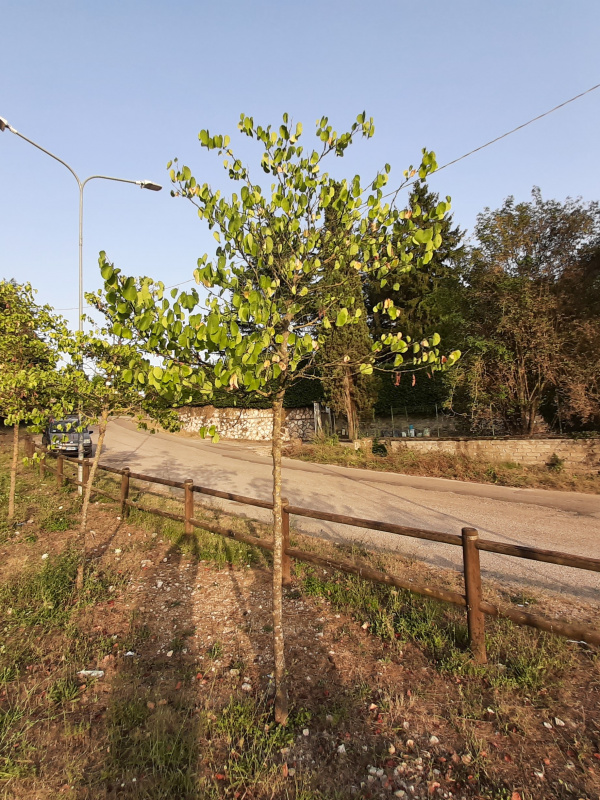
(469,541)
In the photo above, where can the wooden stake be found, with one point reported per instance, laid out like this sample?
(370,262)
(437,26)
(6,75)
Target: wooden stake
(124,493)
(189,505)
(59,470)
(475,616)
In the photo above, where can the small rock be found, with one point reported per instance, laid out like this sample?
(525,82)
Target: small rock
(391,749)
(118,551)
(169,654)
(559,722)
(410,744)
(305,732)
(130,653)
(91,673)
(329,719)
(45,556)
(373,707)
(234,672)
(341,749)
(364,626)
(547,725)
(434,740)
(400,793)
(291,772)
(246,687)
(159,584)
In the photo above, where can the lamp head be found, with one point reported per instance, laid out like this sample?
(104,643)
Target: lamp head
(3,124)
(154,187)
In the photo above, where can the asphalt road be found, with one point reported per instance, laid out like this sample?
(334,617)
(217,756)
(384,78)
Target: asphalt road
(565,521)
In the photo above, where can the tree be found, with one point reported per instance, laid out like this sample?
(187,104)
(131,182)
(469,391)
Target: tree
(268,274)
(349,392)
(424,297)
(30,384)
(523,333)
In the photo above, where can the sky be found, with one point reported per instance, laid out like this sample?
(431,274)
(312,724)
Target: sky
(120,87)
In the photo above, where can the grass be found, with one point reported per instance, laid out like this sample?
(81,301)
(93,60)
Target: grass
(455,467)
(519,658)
(153,730)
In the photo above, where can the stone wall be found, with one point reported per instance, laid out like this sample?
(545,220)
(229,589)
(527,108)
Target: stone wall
(255,424)
(578,455)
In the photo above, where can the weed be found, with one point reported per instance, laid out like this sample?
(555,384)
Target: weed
(252,740)
(57,521)
(48,596)
(215,651)
(160,746)
(64,690)
(555,463)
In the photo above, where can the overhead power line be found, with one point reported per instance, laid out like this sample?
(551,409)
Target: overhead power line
(519,127)
(460,158)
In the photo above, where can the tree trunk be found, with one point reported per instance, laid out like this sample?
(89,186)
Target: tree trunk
(13,472)
(281,696)
(86,499)
(350,407)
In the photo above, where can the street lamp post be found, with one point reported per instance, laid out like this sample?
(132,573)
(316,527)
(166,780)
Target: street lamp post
(155,187)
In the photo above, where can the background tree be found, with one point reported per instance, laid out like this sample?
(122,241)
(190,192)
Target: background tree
(524,332)
(425,297)
(268,274)
(31,390)
(348,391)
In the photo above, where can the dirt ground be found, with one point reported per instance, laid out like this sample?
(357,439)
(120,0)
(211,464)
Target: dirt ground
(182,709)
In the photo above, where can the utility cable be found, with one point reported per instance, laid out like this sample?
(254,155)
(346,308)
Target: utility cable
(454,160)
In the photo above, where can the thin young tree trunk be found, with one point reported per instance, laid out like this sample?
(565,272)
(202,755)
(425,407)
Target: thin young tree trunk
(350,411)
(86,499)
(13,472)
(281,696)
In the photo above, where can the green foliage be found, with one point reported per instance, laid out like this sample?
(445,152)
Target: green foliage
(30,383)
(397,391)
(47,596)
(425,298)
(269,297)
(531,333)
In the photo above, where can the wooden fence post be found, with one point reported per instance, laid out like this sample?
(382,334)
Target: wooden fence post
(42,465)
(188,505)
(286,561)
(59,470)
(475,616)
(86,471)
(124,492)
(29,448)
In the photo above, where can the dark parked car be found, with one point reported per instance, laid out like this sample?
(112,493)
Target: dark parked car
(62,436)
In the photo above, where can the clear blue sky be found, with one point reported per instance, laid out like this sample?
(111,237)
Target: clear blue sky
(120,87)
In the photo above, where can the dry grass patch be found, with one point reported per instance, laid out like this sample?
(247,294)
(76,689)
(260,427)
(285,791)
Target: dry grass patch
(446,465)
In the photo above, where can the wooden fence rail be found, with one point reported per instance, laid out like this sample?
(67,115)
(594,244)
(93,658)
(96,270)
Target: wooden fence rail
(469,541)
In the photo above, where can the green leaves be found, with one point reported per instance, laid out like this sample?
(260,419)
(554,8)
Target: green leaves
(342,317)
(277,280)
